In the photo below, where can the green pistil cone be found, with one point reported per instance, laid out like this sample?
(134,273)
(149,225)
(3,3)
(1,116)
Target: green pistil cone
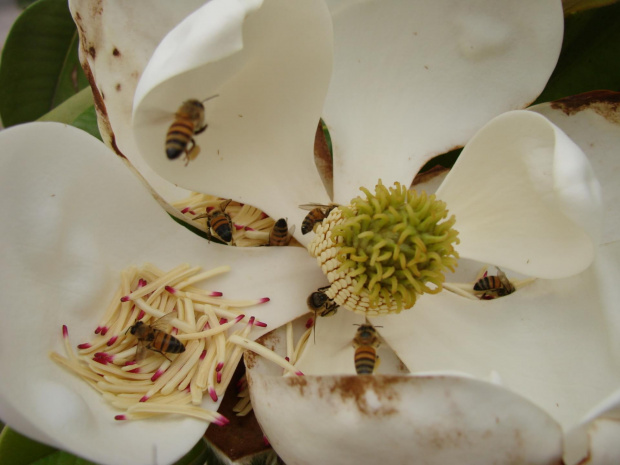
(392,246)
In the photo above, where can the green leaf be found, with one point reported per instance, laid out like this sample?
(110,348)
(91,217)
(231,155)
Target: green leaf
(40,66)
(62,458)
(87,121)
(16,449)
(589,57)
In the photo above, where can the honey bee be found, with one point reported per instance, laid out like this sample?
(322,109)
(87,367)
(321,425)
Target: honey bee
(320,304)
(280,234)
(317,214)
(219,222)
(188,122)
(499,284)
(365,342)
(155,337)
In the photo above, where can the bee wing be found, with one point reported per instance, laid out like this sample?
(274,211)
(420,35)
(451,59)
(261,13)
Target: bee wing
(165,322)
(224,204)
(140,350)
(312,206)
(291,230)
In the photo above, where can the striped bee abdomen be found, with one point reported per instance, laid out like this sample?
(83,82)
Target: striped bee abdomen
(365,359)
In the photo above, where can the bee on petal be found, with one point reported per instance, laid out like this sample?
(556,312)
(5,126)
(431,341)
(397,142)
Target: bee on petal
(188,122)
(499,284)
(366,342)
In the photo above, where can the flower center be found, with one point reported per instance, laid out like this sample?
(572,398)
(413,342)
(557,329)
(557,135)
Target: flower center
(381,252)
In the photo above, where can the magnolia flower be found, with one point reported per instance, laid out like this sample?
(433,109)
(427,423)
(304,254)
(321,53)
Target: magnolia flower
(523,195)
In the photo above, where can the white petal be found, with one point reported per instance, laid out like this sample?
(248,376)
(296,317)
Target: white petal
(592,120)
(416,79)
(270,68)
(525,198)
(416,420)
(116,41)
(554,341)
(75,217)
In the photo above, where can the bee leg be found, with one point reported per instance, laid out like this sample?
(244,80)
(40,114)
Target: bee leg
(201,130)
(192,154)
(324,288)
(155,350)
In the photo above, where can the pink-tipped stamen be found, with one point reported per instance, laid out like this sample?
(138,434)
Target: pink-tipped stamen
(239,227)
(141,314)
(125,298)
(261,324)
(120,417)
(85,345)
(98,330)
(112,340)
(185,210)
(213,394)
(247,228)
(287,359)
(144,398)
(203,354)
(299,373)
(263,300)
(221,420)
(239,318)
(135,370)
(251,320)
(310,323)
(266,441)
(157,374)
(104,330)
(174,331)
(103,357)
(219,366)
(215,294)
(142,282)
(218,377)
(65,331)
(170,289)
(130,362)
(223,321)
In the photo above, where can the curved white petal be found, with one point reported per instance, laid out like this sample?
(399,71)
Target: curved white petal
(416,420)
(75,217)
(117,39)
(269,64)
(592,120)
(554,341)
(525,198)
(415,79)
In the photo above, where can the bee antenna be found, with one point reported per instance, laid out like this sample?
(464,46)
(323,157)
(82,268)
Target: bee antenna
(209,98)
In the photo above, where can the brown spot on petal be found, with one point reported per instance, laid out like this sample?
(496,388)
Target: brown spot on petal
(374,395)
(116,52)
(92,52)
(604,102)
(118,87)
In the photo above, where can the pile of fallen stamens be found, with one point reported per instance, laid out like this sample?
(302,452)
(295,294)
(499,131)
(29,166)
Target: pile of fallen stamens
(213,329)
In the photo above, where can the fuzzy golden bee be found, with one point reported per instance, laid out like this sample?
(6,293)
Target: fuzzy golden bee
(155,337)
(280,235)
(219,222)
(188,122)
(366,342)
(499,284)
(317,214)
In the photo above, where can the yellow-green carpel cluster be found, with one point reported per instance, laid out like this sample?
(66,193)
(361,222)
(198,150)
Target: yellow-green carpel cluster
(381,252)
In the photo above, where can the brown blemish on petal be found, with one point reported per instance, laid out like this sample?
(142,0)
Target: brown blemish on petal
(116,52)
(118,87)
(92,52)
(428,175)
(604,102)
(360,388)
(323,160)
